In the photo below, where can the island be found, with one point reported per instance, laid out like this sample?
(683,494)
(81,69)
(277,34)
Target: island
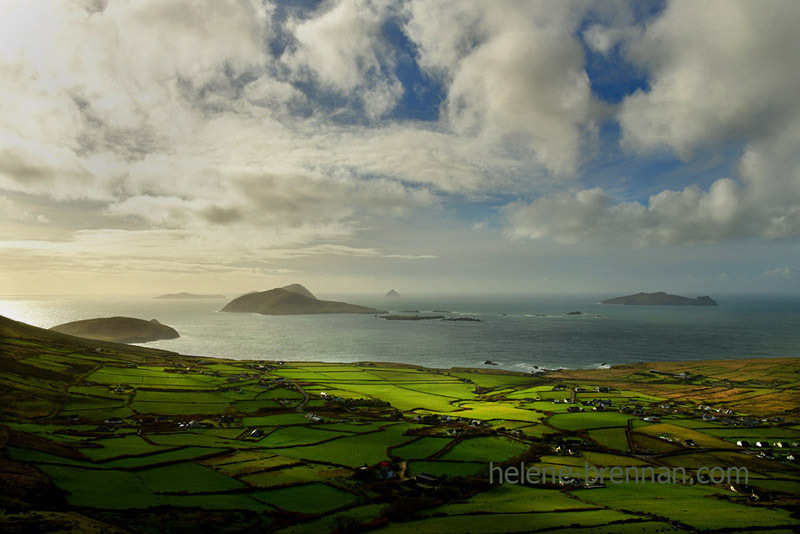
(118,329)
(293,299)
(660,299)
(393,293)
(188,296)
(410,317)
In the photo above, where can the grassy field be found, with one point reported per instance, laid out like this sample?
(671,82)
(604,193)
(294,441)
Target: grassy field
(317,447)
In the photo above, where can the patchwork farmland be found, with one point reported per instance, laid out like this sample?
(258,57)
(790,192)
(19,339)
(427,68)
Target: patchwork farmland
(103,437)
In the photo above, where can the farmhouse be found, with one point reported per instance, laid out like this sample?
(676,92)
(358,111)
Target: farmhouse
(743,443)
(427,481)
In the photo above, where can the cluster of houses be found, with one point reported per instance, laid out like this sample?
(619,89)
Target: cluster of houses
(765,448)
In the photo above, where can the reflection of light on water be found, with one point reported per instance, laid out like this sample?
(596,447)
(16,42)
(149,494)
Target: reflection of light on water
(44,311)
(17,310)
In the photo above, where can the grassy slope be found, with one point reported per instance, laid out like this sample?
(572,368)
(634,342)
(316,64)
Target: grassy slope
(54,469)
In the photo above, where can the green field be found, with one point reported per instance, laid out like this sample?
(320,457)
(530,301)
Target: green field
(204,453)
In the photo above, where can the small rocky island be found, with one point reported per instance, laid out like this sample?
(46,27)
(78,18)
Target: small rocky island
(188,296)
(393,293)
(293,299)
(661,299)
(118,329)
(411,317)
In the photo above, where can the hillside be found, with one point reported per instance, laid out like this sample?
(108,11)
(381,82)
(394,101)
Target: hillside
(97,437)
(118,329)
(283,301)
(299,289)
(660,299)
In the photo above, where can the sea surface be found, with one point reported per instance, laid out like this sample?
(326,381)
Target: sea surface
(520,333)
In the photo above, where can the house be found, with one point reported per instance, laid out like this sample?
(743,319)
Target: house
(602,389)
(580,390)
(599,408)
(255,433)
(707,417)
(783,444)
(690,443)
(427,481)
(386,470)
(704,407)
(665,406)
(573,409)
(314,418)
(743,443)
(762,444)
(652,419)
(558,388)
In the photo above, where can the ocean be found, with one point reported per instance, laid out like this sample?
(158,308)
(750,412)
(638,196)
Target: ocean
(520,333)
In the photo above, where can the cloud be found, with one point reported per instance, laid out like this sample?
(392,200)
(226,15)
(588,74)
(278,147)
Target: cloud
(670,217)
(718,83)
(781,273)
(514,75)
(247,132)
(11,211)
(343,49)
(720,72)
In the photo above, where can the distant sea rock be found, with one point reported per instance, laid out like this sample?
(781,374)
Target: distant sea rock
(118,329)
(661,299)
(411,317)
(188,296)
(393,293)
(290,300)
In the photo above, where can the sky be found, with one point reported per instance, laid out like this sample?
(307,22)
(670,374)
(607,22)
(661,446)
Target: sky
(356,146)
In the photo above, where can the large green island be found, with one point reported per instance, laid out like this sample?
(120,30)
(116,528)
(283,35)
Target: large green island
(293,299)
(102,437)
